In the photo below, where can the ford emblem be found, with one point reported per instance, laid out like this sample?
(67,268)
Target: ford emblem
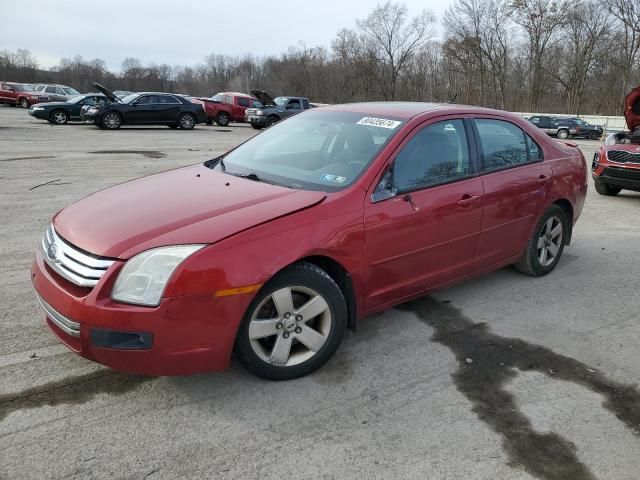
(52,252)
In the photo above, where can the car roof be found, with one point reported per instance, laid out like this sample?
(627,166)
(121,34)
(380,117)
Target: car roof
(407,110)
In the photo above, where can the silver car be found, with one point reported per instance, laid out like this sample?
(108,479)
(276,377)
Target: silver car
(57,93)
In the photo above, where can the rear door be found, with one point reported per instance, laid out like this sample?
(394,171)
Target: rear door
(424,230)
(167,109)
(5,93)
(516,182)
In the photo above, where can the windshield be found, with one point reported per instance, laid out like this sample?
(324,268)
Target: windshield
(256,104)
(70,91)
(218,97)
(315,150)
(23,88)
(280,101)
(130,98)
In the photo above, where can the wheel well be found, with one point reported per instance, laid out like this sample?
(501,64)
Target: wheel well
(341,276)
(273,115)
(568,209)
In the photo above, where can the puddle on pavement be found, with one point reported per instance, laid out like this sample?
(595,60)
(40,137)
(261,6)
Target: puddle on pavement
(487,363)
(72,390)
(144,153)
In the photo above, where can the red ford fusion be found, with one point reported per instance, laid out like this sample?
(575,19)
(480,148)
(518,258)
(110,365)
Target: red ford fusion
(274,249)
(616,166)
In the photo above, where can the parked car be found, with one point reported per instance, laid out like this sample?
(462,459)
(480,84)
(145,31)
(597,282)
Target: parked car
(226,107)
(274,249)
(146,108)
(585,129)
(61,112)
(616,166)
(554,126)
(57,93)
(20,94)
(274,110)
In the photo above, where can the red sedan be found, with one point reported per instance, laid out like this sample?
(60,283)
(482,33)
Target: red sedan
(273,250)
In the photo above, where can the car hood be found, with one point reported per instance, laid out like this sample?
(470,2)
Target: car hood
(107,93)
(188,205)
(263,97)
(632,109)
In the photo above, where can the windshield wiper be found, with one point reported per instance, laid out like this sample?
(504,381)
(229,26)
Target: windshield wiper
(253,176)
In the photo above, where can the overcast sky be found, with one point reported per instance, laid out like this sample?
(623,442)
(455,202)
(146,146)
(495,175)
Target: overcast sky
(177,32)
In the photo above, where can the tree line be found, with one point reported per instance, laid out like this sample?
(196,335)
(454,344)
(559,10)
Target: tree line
(577,57)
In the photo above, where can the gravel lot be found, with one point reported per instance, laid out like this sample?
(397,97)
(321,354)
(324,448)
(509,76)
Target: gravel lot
(504,377)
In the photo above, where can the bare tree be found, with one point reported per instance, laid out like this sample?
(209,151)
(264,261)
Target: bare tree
(627,13)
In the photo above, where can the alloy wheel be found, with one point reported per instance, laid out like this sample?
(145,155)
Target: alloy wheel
(23,103)
(550,241)
(187,122)
(111,120)
(60,118)
(290,326)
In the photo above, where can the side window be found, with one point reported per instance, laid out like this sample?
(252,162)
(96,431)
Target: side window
(228,99)
(535,152)
(145,100)
(89,101)
(50,90)
(293,104)
(243,102)
(305,103)
(101,101)
(503,144)
(59,91)
(535,120)
(436,154)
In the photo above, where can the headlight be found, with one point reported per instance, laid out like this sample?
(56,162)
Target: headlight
(259,112)
(144,277)
(610,140)
(37,108)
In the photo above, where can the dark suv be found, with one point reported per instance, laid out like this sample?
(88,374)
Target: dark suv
(274,110)
(565,127)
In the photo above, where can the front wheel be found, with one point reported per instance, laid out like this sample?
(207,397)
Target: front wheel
(606,189)
(111,121)
(595,135)
(23,103)
(546,245)
(186,121)
(59,117)
(294,325)
(256,127)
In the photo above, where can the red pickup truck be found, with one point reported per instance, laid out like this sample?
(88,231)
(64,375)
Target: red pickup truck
(227,107)
(20,94)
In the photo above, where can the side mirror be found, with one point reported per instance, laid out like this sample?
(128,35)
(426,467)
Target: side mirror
(386,188)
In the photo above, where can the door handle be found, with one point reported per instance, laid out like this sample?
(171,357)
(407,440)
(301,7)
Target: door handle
(467,200)
(542,179)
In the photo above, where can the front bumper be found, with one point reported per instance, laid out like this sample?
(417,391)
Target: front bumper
(627,178)
(257,120)
(182,336)
(40,114)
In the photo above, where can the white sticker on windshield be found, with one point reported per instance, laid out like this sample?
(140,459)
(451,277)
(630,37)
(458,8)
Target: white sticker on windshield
(378,122)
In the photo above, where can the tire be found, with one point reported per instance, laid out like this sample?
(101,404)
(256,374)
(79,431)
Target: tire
(256,127)
(271,119)
(186,121)
(209,121)
(223,119)
(563,134)
(272,340)
(546,244)
(595,135)
(111,121)
(606,189)
(59,117)
(23,103)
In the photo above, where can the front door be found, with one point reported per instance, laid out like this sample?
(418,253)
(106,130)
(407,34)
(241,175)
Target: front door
(423,220)
(143,110)
(516,182)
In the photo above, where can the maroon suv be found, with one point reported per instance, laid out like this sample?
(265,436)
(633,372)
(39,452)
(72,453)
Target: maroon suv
(20,94)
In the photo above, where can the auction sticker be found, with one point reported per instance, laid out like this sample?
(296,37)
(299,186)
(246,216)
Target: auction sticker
(378,122)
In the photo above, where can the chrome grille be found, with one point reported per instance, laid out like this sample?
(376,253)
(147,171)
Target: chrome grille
(71,263)
(250,111)
(66,325)
(623,156)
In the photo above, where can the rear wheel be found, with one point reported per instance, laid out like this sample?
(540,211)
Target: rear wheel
(256,127)
(186,121)
(111,121)
(223,119)
(59,117)
(23,103)
(563,134)
(270,121)
(595,135)
(606,189)
(546,245)
(294,325)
